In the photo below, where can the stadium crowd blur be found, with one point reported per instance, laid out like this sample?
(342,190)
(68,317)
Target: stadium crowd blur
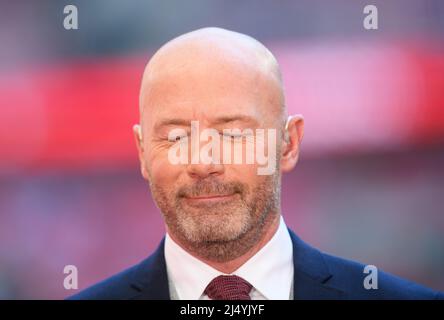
(370,182)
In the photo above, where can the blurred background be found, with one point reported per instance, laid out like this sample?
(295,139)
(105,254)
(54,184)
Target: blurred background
(370,182)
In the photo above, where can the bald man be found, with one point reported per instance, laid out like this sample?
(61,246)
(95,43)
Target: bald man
(225,235)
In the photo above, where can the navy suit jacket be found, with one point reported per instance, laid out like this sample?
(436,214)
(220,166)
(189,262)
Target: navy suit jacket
(316,276)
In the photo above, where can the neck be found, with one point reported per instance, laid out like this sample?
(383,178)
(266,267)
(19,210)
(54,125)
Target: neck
(228,267)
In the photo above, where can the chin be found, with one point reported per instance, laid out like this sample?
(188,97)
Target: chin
(214,228)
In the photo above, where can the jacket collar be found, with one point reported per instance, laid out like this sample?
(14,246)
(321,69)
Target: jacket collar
(150,280)
(311,275)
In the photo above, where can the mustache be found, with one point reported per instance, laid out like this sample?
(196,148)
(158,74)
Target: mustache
(211,187)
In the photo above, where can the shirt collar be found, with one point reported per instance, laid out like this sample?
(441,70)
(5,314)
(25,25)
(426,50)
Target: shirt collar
(269,271)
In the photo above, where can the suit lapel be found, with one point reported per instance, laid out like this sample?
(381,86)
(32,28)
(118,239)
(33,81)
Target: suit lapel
(311,274)
(150,279)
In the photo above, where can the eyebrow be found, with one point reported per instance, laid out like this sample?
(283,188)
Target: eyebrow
(216,121)
(237,117)
(172,122)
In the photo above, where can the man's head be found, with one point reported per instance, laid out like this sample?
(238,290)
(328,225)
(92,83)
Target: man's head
(223,80)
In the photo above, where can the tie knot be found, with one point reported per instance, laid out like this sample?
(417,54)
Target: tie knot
(228,288)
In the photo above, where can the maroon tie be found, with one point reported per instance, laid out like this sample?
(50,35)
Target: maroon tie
(228,288)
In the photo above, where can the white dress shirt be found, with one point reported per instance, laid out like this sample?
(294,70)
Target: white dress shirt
(269,271)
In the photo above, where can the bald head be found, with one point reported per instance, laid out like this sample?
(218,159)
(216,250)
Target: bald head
(212,65)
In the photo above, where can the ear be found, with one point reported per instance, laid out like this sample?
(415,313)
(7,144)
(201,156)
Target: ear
(294,131)
(137,131)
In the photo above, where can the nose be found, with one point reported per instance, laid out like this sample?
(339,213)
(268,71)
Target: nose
(204,162)
(202,171)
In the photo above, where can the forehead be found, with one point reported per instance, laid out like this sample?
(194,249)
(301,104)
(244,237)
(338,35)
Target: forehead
(208,95)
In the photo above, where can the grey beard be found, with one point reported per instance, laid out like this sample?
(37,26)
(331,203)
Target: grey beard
(262,211)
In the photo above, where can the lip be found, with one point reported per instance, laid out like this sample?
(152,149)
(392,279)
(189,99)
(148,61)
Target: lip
(210,198)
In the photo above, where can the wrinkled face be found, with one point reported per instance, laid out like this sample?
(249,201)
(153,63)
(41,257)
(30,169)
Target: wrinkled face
(209,205)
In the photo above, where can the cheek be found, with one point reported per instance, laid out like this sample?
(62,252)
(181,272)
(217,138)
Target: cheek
(244,173)
(162,172)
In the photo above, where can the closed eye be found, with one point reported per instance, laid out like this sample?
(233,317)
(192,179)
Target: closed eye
(231,135)
(177,138)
